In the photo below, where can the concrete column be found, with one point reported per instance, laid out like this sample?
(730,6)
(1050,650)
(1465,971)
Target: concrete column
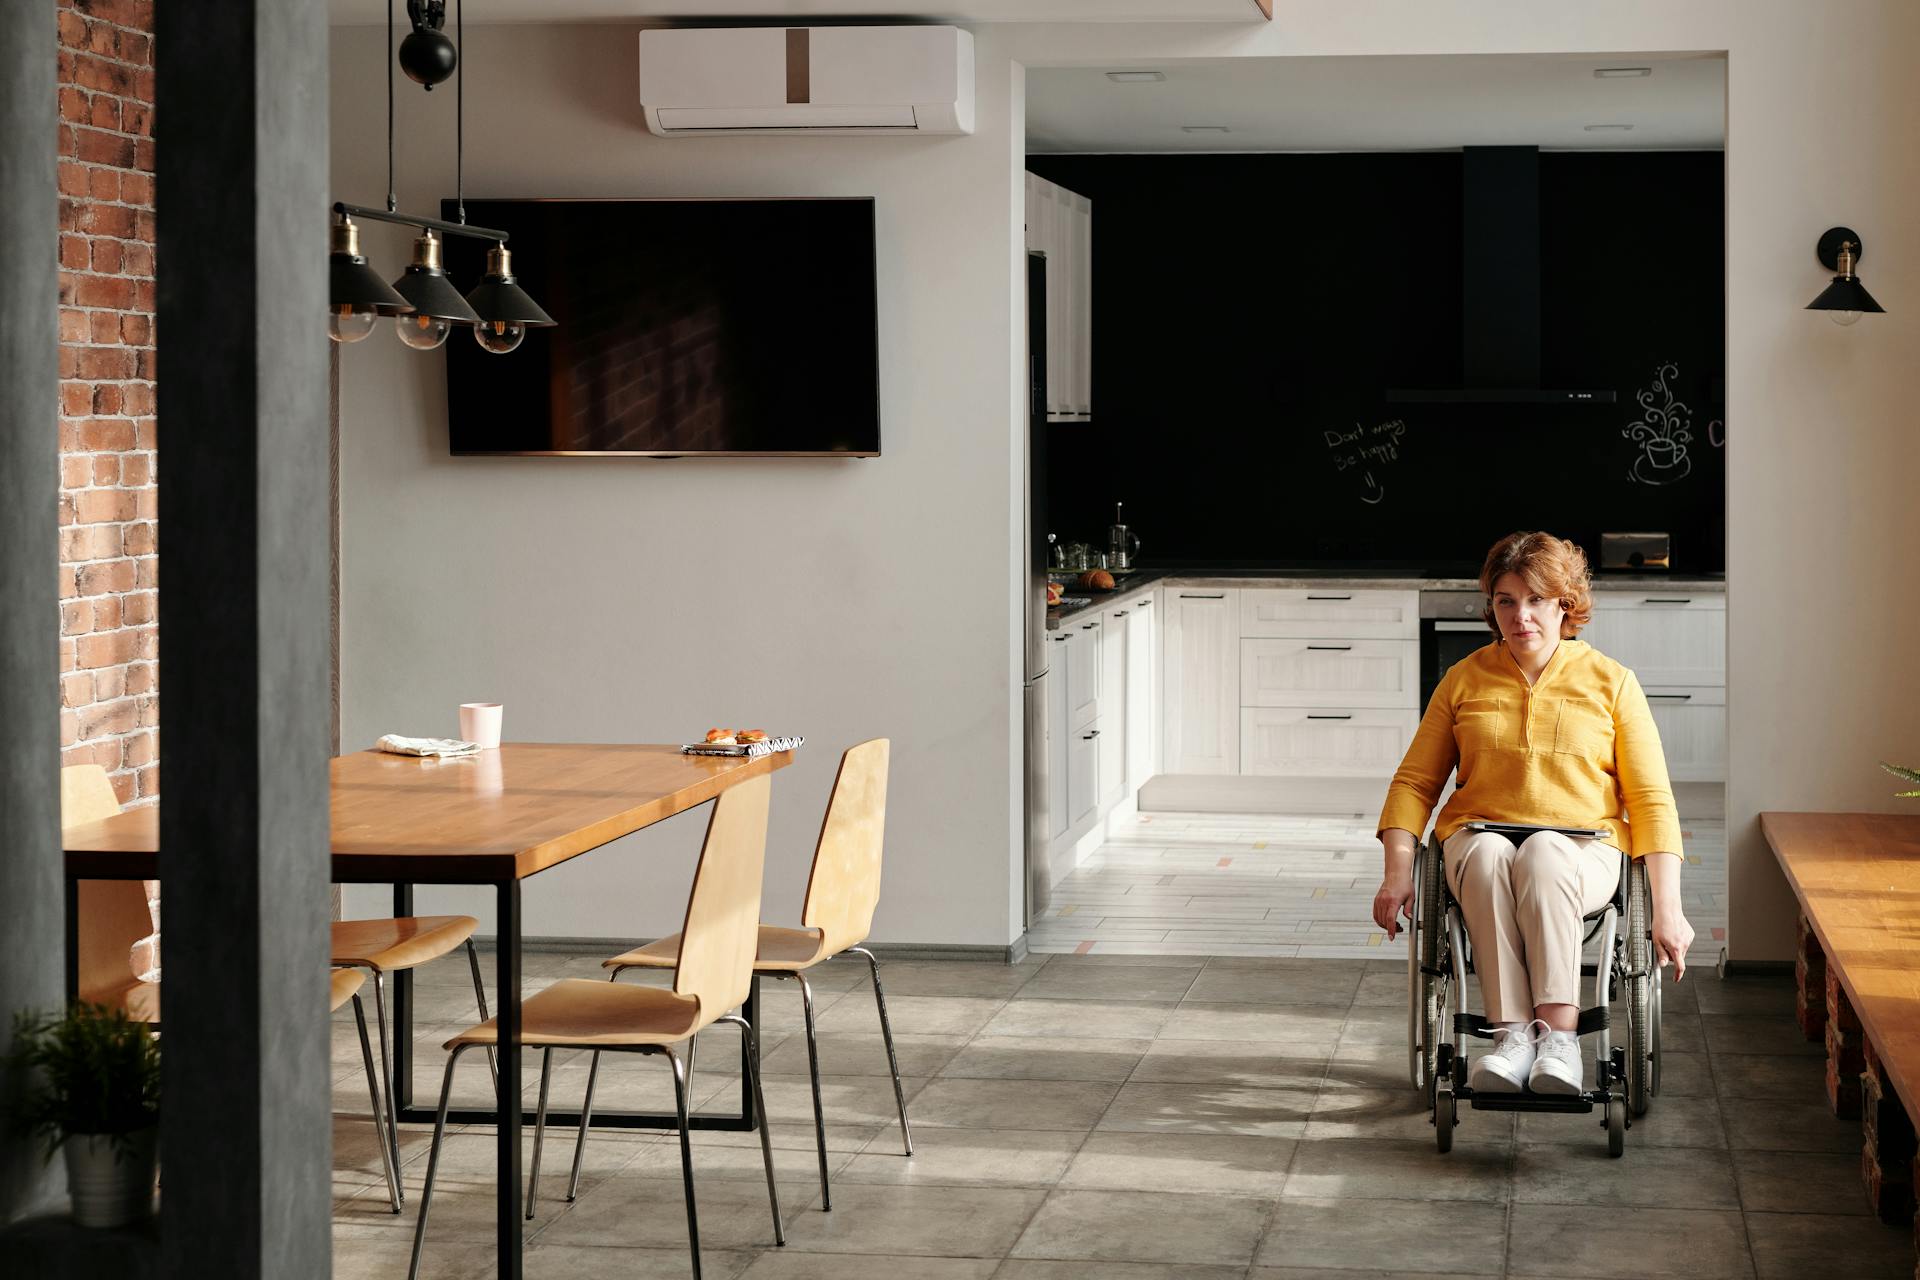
(31,944)
(245,702)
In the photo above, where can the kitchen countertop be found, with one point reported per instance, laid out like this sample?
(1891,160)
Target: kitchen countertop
(1345,579)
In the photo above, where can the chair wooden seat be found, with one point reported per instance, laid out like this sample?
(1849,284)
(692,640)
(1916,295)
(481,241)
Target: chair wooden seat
(386,945)
(346,985)
(779,951)
(576,1013)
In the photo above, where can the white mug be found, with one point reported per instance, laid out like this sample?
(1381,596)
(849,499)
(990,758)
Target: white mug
(480,723)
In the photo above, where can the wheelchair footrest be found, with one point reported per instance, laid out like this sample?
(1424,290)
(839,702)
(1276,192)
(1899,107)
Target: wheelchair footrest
(1564,1103)
(1590,1021)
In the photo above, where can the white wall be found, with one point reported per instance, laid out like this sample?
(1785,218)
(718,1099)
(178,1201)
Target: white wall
(606,600)
(578,591)
(1821,457)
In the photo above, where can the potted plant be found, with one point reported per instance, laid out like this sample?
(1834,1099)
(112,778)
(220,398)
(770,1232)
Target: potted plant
(96,1095)
(1901,771)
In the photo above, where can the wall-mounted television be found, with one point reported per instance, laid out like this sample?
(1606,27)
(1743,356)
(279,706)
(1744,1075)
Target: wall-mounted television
(685,328)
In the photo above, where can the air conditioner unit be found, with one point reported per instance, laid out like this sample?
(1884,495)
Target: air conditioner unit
(818,80)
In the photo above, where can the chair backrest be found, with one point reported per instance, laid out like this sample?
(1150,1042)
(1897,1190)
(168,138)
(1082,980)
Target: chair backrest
(722,930)
(113,913)
(845,885)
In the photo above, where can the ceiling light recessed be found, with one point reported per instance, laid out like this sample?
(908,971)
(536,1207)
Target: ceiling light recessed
(1620,73)
(1609,128)
(1136,77)
(1204,128)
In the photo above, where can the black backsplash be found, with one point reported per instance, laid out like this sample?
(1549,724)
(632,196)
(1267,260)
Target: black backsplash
(1251,312)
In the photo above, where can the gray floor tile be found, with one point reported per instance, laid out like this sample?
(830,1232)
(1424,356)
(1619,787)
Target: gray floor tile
(1012,1104)
(946,1222)
(629,1210)
(967,1158)
(1399,1113)
(1195,1163)
(781,1264)
(1756,1076)
(1657,1177)
(1255,1066)
(1389,1237)
(1046,1058)
(1800,1182)
(1072,1019)
(949,978)
(1773,1033)
(1787,1246)
(1225,1109)
(1669,1122)
(1765,997)
(1111,982)
(1320,986)
(1653,1244)
(1300,1025)
(591,1262)
(1024,1269)
(863,1055)
(911,1015)
(1341,1273)
(1145,1226)
(1378,1170)
(1782,1125)
(1685,1075)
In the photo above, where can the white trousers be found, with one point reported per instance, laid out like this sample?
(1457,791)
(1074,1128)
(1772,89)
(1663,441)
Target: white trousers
(1523,908)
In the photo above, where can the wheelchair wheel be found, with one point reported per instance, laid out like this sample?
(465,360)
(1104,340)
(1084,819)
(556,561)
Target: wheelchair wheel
(1429,992)
(1616,1125)
(1643,1012)
(1445,1113)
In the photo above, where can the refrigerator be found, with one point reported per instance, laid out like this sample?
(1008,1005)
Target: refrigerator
(1034,590)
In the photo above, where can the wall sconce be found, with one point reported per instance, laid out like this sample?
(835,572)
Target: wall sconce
(1845,300)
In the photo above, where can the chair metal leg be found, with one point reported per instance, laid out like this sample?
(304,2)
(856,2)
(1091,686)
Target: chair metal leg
(373,1095)
(480,998)
(386,1072)
(586,1122)
(886,1033)
(751,1044)
(433,1164)
(813,1073)
(686,1155)
(539,1131)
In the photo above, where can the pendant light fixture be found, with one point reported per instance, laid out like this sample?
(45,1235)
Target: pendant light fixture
(1846,299)
(424,303)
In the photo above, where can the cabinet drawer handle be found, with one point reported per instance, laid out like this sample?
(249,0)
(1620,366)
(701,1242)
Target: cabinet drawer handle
(1329,597)
(1676,697)
(1667,600)
(1091,626)
(1119,613)
(1060,639)
(1337,648)
(1185,596)
(1347,716)
(1089,737)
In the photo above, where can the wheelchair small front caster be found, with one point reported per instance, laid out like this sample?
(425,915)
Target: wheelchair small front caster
(1445,1113)
(1616,1125)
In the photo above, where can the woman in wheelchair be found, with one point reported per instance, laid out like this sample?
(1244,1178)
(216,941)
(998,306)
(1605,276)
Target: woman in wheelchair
(1543,730)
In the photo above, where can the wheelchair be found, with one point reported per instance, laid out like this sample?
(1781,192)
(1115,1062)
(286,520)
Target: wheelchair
(1439,958)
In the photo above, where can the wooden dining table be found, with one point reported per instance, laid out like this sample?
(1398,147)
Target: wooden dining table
(496,818)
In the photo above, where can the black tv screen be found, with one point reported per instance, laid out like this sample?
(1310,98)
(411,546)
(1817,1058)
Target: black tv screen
(684,327)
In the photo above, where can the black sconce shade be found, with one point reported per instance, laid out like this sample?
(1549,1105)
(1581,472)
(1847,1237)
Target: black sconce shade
(1839,249)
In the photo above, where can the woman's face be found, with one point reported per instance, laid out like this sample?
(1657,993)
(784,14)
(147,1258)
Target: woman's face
(1529,622)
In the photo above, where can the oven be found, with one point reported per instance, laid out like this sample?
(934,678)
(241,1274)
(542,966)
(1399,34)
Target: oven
(1451,627)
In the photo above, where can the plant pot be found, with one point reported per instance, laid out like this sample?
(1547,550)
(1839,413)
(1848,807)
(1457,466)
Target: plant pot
(111,1189)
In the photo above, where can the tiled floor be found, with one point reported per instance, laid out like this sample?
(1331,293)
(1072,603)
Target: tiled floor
(1154,1118)
(1284,886)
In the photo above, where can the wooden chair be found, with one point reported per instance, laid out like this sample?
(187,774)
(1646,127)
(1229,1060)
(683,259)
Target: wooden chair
(346,984)
(713,975)
(842,892)
(114,916)
(384,946)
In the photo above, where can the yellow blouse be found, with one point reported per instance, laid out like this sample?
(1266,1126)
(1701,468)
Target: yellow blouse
(1577,749)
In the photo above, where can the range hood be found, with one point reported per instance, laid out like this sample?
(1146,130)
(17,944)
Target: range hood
(1500,287)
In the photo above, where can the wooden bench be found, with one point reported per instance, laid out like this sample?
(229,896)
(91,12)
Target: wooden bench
(1857,877)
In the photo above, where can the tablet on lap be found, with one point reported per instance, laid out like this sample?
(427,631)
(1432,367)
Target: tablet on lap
(1518,831)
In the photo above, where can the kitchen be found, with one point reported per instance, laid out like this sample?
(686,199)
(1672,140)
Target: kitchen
(1303,351)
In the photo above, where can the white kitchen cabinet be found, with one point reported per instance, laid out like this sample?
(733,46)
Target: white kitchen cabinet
(1671,639)
(1083,776)
(1310,612)
(1139,693)
(1060,225)
(1329,673)
(1201,682)
(1114,710)
(1693,731)
(1058,734)
(1306,742)
(1083,671)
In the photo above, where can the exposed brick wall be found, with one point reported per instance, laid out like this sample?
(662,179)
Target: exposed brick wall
(108,643)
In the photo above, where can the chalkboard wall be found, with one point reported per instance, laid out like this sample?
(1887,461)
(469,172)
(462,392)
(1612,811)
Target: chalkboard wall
(1251,312)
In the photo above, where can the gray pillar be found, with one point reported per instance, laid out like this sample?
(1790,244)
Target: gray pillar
(31,945)
(244,731)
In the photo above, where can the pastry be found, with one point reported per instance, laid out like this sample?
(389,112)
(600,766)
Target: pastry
(720,737)
(750,735)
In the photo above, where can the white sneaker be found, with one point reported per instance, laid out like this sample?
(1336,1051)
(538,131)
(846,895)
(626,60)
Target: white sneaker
(1503,1069)
(1556,1064)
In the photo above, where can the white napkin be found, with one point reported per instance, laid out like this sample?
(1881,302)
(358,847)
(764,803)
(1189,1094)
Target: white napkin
(403,746)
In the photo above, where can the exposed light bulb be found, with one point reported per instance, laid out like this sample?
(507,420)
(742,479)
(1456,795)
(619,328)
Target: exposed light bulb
(422,333)
(344,324)
(499,336)
(1845,317)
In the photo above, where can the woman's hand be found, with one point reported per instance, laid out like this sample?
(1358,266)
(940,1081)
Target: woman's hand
(1672,935)
(1394,897)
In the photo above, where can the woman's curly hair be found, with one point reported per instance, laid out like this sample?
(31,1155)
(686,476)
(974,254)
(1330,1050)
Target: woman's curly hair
(1550,566)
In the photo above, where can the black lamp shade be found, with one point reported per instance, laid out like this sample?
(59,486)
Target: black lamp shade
(1845,294)
(353,284)
(498,298)
(432,294)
